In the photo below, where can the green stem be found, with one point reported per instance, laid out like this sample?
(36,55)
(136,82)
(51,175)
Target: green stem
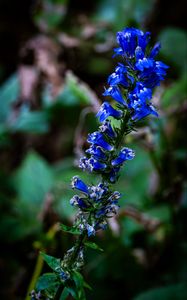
(78,246)
(36,274)
(80,242)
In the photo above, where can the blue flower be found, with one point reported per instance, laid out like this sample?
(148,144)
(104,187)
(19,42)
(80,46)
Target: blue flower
(106,110)
(115,93)
(155,50)
(152,75)
(97,138)
(139,54)
(121,69)
(107,129)
(107,211)
(78,184)
(64,275)
(125,154)
(111,210)
(144,111)
(77,201)
(144,63)
(97,192)
(113,199)
(139,96)
(113,174)
(97,152)
(91,164)
(101,224)
(117,78)
(90,230)
(129,39)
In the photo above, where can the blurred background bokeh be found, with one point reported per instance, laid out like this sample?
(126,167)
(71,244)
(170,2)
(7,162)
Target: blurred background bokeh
(55,57)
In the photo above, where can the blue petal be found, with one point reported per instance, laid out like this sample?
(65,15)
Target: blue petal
(144,63)
(97,152)
(97,138)
(107,129)
(78,184)
(106,110)
(139,53)
(90,230)
(155,50)
(115,93)
(144,111)
(125,154)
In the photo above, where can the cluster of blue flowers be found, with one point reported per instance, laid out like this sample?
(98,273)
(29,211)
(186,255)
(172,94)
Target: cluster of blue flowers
(130,86)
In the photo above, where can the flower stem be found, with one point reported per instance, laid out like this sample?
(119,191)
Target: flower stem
(78,246)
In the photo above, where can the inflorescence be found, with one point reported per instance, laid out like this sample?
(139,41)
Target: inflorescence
(130,87)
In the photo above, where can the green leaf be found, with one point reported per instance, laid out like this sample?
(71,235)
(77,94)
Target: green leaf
(32,181)
(161,212)
(113,11)
(9,92)
(69,229)
(93,246)
(171,39)
(79,282)
(175,94)
(53,262)
(73,93)
(171,292)
(34,122)
(64,294)
(46,281)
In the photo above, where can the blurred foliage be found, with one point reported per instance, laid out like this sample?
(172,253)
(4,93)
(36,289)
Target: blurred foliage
(47,106)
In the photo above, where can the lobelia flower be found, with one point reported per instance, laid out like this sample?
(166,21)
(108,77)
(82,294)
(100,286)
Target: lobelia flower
(129,39)
(97,152)
(97,192)
(130,86)
(80,202)
(90,230)
(107,129)
(78,184)
(91,164)
(155,50)
(97,138)
(115,93)
(118,77)
(135,78)
(143,111)
(106,110)
(125,154)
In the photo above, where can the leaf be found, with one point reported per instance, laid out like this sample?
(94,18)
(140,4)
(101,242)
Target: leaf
(53,262)
(112,11)
(87,286)
(93,246)
(162,212)
(175,94)
(9,92)
(171,292)
(69,229)
(32,181)
(64,294)
(46,281)
(73,93)
(79,282)
(171,39)
(34,122)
